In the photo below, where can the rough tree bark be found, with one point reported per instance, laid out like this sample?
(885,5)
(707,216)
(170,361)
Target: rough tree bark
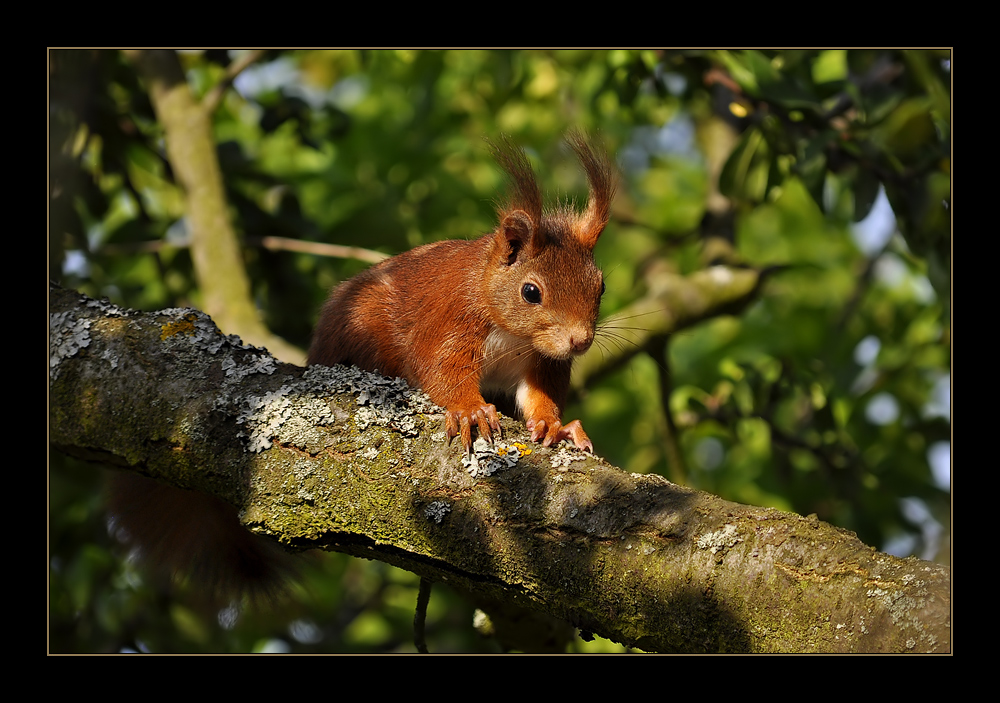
(344,460)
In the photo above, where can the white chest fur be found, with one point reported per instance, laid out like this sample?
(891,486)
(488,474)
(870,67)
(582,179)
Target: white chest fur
(506,361)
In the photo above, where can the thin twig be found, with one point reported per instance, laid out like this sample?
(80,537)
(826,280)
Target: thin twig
(273,243)
(420,616)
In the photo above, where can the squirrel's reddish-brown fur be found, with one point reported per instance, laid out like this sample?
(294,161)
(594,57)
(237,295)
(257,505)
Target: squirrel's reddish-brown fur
(504,314)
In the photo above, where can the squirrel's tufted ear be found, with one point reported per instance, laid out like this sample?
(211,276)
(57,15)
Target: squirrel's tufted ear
(522,191)
(602,177)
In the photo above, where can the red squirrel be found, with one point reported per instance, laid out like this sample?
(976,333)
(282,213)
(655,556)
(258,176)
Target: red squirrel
(504,314)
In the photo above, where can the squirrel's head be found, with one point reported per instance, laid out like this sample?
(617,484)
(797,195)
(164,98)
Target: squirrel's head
(543,280)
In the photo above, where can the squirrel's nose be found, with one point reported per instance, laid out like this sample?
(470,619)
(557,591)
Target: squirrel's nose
(581,341)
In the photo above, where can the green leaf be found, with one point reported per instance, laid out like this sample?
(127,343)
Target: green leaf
(744,177)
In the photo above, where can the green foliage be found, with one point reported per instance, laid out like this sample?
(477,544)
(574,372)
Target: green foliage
(821,396)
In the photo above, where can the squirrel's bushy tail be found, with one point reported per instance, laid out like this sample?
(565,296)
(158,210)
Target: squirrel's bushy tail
(187,534)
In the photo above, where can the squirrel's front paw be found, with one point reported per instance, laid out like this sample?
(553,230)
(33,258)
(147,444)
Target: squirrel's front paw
(552,431)
(460,422)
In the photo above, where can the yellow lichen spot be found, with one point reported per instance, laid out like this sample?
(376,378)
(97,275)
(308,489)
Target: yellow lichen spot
(185,326)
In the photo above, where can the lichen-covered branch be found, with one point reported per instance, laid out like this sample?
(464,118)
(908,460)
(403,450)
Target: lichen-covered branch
(341,459)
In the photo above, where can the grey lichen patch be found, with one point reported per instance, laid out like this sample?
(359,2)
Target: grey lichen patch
(487,459)
(248,365)
(281,415)
(111,358)
(564,456)
(720,539)
(384,402)
(68,332)
(436,511)
(67,336)
(290,414)
(189,327)
(904,608)
(109,309)
(304,471)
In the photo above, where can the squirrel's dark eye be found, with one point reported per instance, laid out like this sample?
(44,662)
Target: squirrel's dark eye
(531,294)
(602,287)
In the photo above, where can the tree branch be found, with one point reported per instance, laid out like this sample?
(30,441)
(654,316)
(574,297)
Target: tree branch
(673,303)
(270,243)
(344,460)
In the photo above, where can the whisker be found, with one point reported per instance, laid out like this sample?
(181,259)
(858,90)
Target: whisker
(616,316)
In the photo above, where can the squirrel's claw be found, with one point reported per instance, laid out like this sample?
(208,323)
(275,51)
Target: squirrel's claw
(460,422)
(552,432)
